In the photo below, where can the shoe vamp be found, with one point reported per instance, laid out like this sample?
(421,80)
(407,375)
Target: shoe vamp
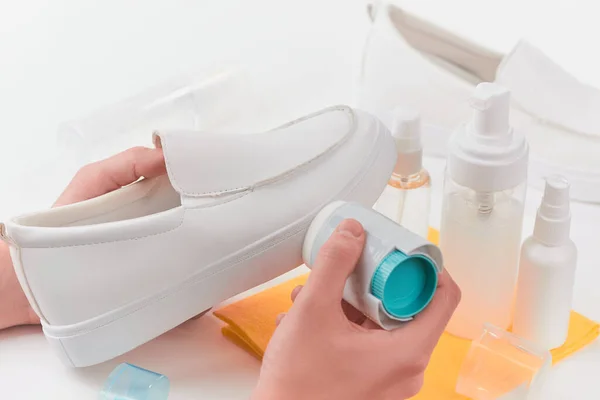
(103,277)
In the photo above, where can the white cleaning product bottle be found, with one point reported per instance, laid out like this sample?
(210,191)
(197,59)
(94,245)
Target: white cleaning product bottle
(547,271)
(397,274)
(482,214)
(406,198)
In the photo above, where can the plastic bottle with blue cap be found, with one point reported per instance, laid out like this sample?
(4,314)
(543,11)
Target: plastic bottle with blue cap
(397,274)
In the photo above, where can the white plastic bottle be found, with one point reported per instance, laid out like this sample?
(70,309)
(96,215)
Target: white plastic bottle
(406,198)
(482,215)
(397,274)
(547,271)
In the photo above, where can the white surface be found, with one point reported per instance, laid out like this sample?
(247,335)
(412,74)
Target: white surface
(62,59)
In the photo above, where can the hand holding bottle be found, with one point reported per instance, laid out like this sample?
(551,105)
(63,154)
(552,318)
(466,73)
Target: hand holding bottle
(324,349)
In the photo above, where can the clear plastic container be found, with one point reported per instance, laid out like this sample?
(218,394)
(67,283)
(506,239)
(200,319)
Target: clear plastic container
(406,200)
(481,240)
(502,366)
(201,100)
(129,382)
(482,213)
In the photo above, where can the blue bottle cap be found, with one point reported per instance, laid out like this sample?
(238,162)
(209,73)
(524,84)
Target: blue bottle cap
(404,284)
(129,382)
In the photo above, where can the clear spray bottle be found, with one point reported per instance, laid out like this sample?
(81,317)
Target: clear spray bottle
(482,214)
(406,198)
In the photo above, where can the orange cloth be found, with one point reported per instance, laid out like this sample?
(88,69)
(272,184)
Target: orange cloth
(251,323)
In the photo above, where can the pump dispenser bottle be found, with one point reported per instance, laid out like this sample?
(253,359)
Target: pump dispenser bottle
(547,271)
(482,214)
(406,198)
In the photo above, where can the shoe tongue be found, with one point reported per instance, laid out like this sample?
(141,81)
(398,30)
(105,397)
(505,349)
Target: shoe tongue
(205,165)
(544,90)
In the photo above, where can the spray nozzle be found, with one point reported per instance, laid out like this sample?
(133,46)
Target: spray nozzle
(406,130)
(553,222)
(491,103)
(555,203)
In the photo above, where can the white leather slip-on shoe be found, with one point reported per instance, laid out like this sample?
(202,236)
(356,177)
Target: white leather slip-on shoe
(108,274)
(409,62)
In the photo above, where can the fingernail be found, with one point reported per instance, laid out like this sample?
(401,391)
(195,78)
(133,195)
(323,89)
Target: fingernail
(351,227)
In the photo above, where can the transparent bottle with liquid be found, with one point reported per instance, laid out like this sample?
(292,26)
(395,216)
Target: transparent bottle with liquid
(406,198)
(482,214)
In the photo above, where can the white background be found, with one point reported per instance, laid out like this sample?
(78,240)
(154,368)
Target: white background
(64,58)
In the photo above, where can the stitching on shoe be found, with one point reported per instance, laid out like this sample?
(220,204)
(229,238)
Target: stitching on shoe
(225,201)
(350,113)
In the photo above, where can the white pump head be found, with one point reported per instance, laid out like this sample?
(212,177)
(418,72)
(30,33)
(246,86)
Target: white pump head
(485,154)
(491,104)
(406,130)
(553,222)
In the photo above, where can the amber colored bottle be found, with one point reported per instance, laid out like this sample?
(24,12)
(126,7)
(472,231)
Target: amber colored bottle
(406,198)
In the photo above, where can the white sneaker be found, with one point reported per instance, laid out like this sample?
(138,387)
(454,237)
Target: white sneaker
(408,62)
(111,273)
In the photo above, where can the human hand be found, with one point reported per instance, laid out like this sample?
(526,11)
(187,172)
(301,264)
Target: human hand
(91,181)
(324,349)
(107,175)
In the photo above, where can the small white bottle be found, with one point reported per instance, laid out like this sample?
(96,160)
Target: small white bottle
(406,198)
(397,274)
(547,271)
(482,213)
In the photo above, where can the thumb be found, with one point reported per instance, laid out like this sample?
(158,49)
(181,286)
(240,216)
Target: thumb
(335,261)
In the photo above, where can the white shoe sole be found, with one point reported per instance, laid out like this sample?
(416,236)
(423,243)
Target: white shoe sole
(112,334)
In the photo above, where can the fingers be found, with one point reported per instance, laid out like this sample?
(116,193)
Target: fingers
(336,260)
(279,318)
(294,295)
(433,319)
(110,174)
(368,324)
(352,313)
(296,292)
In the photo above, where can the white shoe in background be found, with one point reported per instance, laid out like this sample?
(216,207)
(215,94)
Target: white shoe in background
(108,274)
(408,62)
